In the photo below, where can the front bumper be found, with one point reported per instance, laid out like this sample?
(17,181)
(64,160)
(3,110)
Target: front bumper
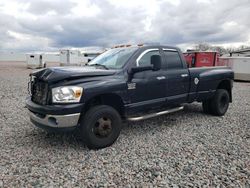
(54,116)
(55,121)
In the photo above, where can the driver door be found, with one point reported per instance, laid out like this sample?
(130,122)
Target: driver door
(147,88)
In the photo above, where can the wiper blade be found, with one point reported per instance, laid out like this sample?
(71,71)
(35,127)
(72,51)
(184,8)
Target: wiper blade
(100,65)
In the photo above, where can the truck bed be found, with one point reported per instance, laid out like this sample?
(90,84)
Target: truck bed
(204,80)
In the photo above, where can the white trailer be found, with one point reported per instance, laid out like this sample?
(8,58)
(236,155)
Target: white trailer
(35,61)
(88,56)
(240,66)
(70,57)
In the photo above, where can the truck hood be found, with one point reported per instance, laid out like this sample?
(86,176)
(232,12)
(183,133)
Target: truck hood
(56,74)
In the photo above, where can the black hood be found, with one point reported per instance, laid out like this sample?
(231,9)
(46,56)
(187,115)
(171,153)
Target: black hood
(56,74)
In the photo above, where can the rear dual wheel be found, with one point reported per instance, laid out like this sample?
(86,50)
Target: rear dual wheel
(100,126)
(217,105)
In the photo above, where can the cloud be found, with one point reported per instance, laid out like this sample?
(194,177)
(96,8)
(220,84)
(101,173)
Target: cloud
(44,6)
(44,25)
(25,41)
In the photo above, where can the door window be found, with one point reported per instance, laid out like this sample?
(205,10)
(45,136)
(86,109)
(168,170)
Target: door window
(145,60)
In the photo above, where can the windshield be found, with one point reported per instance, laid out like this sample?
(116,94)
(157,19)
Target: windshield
(114,58)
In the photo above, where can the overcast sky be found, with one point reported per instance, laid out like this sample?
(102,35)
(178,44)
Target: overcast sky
(45,25)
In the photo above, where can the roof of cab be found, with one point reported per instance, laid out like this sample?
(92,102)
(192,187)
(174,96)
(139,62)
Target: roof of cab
(146,46)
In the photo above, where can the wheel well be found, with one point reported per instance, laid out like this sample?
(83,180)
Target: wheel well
(113,100)
(226,84)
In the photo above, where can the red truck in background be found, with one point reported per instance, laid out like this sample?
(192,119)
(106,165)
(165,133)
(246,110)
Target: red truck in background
(201,59)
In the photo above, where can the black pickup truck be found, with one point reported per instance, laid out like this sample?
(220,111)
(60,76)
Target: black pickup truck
(131,83)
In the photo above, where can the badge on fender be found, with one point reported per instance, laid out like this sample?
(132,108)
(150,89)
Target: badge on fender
(131,85)
(196,81)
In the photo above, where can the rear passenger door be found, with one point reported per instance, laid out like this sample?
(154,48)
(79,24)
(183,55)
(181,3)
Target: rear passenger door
(177,77)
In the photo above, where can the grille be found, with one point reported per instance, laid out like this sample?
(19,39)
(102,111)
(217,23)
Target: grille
(39,92)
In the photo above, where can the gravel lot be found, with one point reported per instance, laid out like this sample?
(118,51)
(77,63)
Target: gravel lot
(184,149)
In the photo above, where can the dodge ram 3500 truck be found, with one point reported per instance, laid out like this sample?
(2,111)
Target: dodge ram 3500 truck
(132,83)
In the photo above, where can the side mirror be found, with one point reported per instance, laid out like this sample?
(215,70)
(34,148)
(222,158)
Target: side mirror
(134,70)
(156,62)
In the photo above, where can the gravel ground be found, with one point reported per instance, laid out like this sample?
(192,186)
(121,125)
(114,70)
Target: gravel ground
(184,149)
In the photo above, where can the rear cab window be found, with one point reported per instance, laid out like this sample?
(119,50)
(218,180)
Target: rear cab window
(172,59)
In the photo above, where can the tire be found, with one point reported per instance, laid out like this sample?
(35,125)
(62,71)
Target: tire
(206,105)
(220,102)
(100,126)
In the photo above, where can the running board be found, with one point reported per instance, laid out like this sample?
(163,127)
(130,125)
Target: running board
(139,118)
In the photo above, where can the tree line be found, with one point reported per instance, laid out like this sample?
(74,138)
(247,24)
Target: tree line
(203,46)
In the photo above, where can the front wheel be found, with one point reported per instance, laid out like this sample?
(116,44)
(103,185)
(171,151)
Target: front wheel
(100,126)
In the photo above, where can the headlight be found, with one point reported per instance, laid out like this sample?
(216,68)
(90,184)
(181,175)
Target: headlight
(66,94)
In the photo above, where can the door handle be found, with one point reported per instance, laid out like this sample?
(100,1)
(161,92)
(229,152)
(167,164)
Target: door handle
(184,75)
(160,77)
